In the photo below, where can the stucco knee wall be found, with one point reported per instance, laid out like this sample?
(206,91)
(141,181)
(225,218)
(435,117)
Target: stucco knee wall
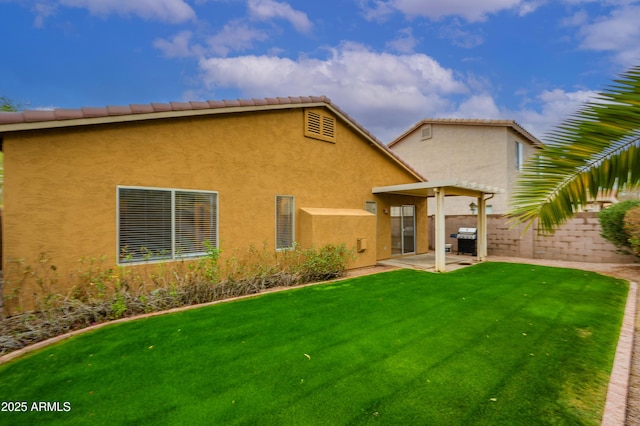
(353,227)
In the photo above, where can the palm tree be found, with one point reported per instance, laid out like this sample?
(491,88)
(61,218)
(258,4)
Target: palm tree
(597,148)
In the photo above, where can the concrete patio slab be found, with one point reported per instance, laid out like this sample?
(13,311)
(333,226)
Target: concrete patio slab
(427,261)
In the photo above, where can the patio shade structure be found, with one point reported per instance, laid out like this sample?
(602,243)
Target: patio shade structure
(440,190)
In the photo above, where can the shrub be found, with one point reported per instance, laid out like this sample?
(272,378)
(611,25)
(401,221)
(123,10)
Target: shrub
(612,223)
(326,263)
(632,228)
(102,294)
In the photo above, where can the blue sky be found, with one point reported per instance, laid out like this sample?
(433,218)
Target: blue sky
(387,63)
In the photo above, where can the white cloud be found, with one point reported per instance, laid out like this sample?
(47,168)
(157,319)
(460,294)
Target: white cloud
(553,107)
(386,96)
(617,33)
(526,8)
(576,20)
(459,37)
(478,106)
(177,47)
(235,36)
(405,42)
(42,11)
(560,99)
(380,10)
(269,9)
(173,11)
(548,110)
(472,11)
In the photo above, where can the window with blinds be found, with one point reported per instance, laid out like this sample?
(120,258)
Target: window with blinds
(319,125)
(160,224)
(285,214)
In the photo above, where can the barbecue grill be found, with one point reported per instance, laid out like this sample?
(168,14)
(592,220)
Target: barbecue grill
(467,240)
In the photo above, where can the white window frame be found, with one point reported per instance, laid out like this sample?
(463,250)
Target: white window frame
(519,155)
(292,224)
(173,253)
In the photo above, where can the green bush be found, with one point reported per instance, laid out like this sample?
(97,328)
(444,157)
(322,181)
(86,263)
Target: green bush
(326,263)
(632,228)
(612,223)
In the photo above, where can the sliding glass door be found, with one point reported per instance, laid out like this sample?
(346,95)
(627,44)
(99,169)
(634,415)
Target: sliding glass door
(403,229)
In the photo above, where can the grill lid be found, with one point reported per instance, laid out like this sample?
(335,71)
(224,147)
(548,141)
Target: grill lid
(466,233)
(467,230)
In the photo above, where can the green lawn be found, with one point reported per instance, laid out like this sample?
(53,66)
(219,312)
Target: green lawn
(491,344)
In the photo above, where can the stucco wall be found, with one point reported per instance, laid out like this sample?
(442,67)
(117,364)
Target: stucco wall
(60,184)
(482,154)
(578,240)
(336,226)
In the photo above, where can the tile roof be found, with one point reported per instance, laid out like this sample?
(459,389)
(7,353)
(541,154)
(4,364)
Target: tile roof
(471,122)
(41,116)
(64,117)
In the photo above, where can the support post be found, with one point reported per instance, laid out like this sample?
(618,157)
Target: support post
(482,229)
(440,231)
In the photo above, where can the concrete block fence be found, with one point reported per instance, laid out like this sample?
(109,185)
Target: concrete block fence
(578,240)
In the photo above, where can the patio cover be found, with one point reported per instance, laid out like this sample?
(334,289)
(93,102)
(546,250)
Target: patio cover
(440,190)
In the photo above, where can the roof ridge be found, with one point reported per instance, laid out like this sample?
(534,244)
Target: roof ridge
(471,121)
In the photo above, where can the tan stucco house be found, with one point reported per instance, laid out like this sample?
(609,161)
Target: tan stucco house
(151,183)
(487,151)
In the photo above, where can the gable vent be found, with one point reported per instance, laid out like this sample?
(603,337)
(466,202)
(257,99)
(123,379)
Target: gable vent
(426,132)
(328,127)
(319,126)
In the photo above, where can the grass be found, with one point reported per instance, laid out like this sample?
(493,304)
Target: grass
(495,343)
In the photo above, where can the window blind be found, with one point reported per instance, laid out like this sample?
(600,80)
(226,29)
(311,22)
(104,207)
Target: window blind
(195,222)
(157,224)
(144,224)
(284,221)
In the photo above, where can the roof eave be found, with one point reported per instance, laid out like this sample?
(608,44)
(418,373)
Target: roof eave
(156,115)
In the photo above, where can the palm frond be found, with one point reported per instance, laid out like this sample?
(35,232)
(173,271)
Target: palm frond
(596,149)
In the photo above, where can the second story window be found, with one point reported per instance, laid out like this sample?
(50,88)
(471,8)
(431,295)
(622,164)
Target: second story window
(519,155)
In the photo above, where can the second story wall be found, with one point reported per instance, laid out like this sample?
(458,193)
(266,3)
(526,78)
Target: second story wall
(486,154)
